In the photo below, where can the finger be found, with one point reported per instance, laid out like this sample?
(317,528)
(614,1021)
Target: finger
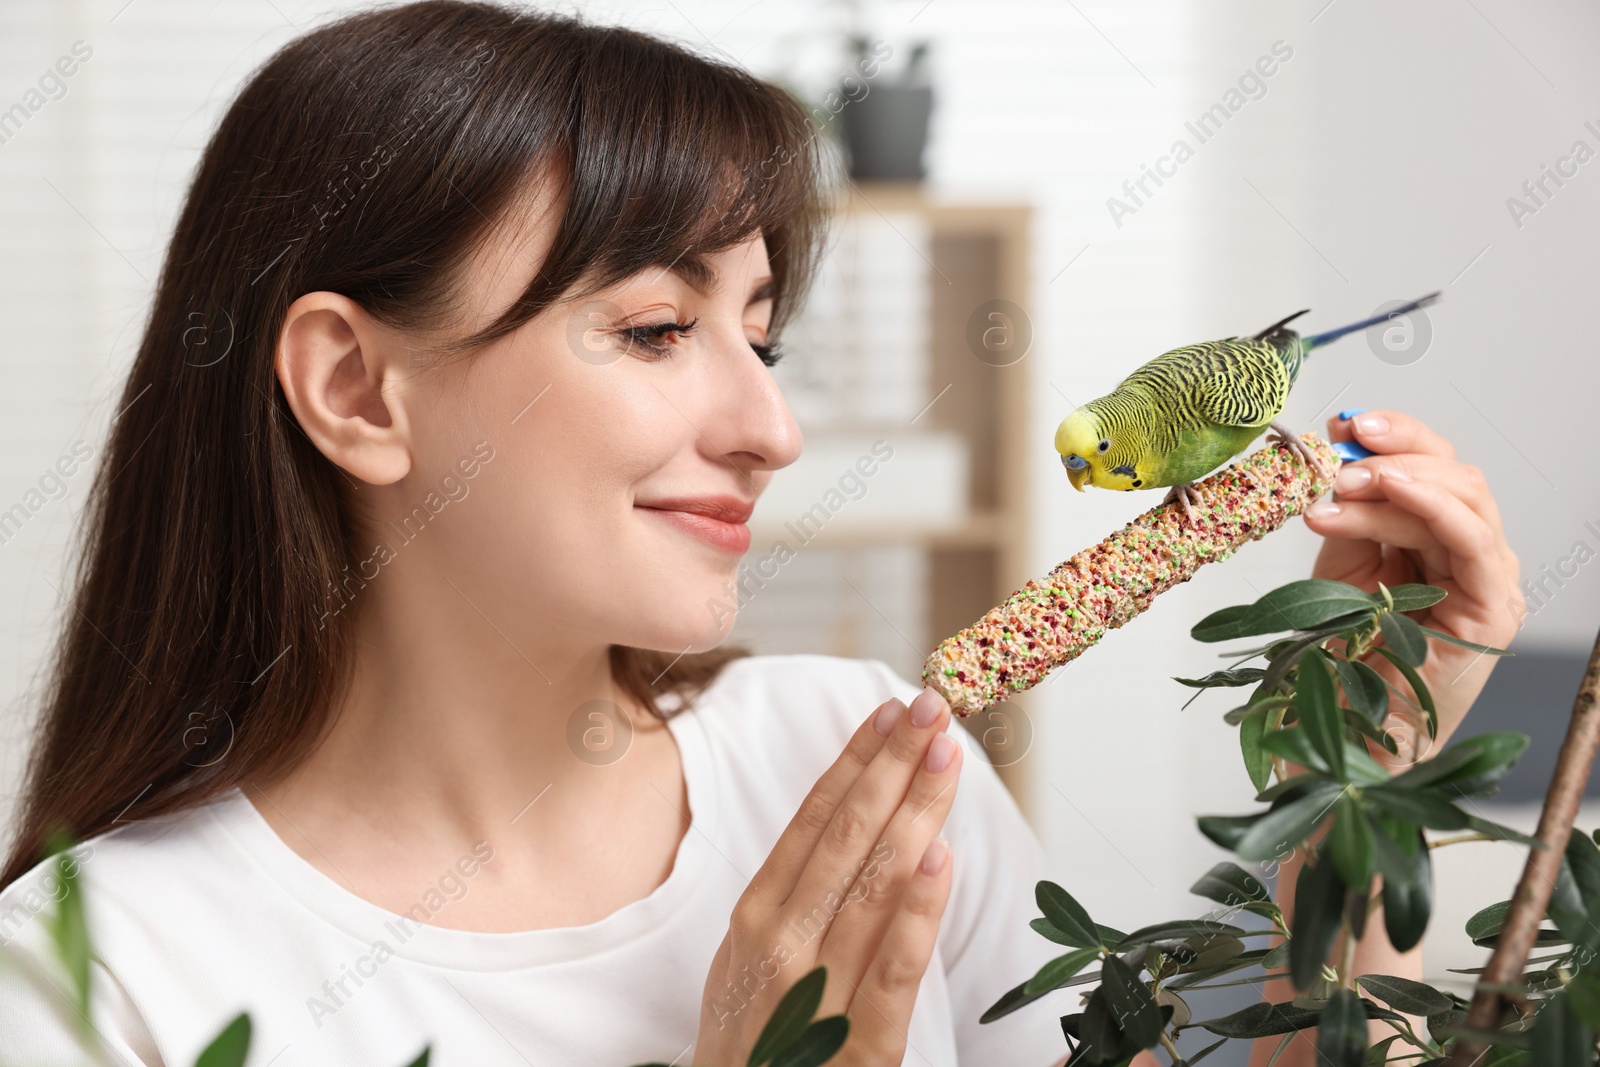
(1449,536)
(776,879)
(1477,552)
(1387,431)
(880,1010)
(862,817)
(1366,480)
(858,925)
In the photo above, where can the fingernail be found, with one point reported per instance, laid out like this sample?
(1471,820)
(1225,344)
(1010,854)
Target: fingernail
(1351,478)
(925,708)
(940,753)
(1372,425)
(1350,451)
(1344,416)
(933,859)
(1322,509)
(887,716)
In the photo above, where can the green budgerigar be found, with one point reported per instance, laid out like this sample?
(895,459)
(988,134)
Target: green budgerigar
(1189,411)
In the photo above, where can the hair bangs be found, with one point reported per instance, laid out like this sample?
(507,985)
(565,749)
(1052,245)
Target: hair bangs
(681,158)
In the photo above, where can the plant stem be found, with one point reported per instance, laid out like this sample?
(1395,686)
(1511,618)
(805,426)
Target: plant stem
(1532,897)
(1347,955)
(1460,839)
(1172,1050)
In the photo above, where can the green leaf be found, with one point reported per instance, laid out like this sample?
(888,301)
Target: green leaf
(816,1044)
(1109,935)
(1231,885)
(790,1017)
(1487,650)
(1417,806)
(1583,997)
(1213,951)
(1203,1053)
(1262,1020)
(1257,760)
(1560,1036)
(1402,634)
(1350,844)
(1053,974)
(1318,708)
(1227,830)
(1378,1055)
(1286,825)
(68,928)
(1226,679)
(1363,688)
(1407,868)
(1177,931)
(1487,923)
(1104,1042)
(1285,659)
(1361,769)
(1468,764)
(1584,859)
(230,1047)
(1412,597)
(1066,915)
(1221,624)
(1566,903)
(1135,1009)
(422,1057)
(1419,688)
(1342,1030)
(1404,994)
(1290,788)
(1318,910)
(1295,745)
(1013,999)
(1302,605)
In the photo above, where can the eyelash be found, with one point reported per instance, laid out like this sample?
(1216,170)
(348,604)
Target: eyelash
(640,335)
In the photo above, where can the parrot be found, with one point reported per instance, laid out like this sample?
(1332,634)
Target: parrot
(1188,411)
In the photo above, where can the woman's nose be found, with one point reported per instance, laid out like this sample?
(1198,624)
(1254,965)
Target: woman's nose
(757,429)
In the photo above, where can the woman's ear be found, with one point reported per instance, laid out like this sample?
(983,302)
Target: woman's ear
(340,371)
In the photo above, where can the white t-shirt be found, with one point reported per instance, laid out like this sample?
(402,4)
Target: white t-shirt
(198,916)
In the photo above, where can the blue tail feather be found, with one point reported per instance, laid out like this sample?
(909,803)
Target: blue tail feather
(1320,339)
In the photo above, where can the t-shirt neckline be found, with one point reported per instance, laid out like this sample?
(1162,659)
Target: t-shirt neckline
(471,950)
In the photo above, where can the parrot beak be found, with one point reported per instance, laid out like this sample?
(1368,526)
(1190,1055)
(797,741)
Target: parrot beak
(1076,475)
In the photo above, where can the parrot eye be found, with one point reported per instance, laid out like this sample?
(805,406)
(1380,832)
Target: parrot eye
(1105,443)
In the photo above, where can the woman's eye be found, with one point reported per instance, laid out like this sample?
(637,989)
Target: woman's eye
(659,338)
(768,354)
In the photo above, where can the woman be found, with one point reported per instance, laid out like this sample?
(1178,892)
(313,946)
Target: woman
(388,705)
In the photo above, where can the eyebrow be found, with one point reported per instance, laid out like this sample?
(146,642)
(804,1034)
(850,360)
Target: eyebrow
(702,279)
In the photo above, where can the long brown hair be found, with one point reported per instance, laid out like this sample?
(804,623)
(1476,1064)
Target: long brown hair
(369,157)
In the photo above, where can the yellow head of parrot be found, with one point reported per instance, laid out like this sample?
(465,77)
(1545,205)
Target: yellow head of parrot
(1079,441)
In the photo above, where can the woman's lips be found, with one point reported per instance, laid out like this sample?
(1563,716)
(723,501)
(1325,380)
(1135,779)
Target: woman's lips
(719,522)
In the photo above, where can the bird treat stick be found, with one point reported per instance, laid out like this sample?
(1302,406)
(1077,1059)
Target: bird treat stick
(1052,620)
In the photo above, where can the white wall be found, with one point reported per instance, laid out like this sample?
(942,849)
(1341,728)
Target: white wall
(1376,166)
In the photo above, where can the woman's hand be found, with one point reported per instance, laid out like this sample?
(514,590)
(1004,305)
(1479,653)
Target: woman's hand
(1414,513)
(848,885)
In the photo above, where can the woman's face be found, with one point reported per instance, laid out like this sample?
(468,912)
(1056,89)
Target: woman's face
(626,453)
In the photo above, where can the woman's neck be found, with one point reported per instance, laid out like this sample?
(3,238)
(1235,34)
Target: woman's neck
(453,725)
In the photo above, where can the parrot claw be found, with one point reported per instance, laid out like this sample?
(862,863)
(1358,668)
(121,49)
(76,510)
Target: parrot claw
(1282,435)
(1185,496)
